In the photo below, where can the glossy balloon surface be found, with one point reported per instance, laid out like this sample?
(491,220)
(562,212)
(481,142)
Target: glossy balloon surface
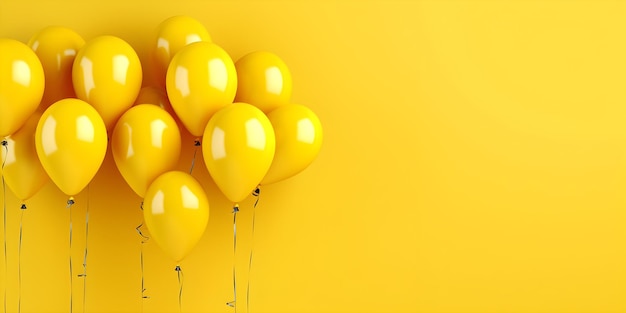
(71,142)
(238,148)
(264,81)
(176,212)
(56,48)
(145,144)
(172,35)
(22,170)
(157,96)
(201,80)
(21,85)
(298,141)
(107,74)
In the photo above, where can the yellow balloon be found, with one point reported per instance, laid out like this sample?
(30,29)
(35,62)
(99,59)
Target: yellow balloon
(145,144)
(238,149)
(107,74)
(21,85)
(263,81)
(157,96)
(71,143)
(22,170)
(201,79)
(176,211)
(298,141)
(172,35)
(56,48)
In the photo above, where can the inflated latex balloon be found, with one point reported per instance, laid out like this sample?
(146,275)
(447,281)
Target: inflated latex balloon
(238,149)
(22,170)
(201,79)
(157,96)
(263,81)
(172,35)
(56,48)
(176,211)
(107,74)
(21,85)
(298,141)
(145,144)
(71,143)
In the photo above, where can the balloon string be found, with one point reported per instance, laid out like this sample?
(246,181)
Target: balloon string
(196,143)
(180,287)
(71,202)
(256,193)
(144,239)
(5,144)
(233,304)
(84,274)
(19,262)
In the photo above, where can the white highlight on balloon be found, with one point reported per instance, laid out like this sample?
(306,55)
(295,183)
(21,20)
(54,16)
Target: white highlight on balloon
(191,38)
(182,80)
(131,151)
(306,131)
(158,205)
(157,127)
(69,52)
(120,68)
(218,147)
(88,82)
(84,129)
(21,73)
(162,43)
(218,75)
(48,140)
(273,80)
(255,134)
(190,200)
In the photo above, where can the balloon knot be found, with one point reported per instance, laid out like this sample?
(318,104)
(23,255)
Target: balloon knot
(236,208)
(141,205)
(70,202)
(5,143)
(196,143)
(256,192)
(177,268)
(23,207)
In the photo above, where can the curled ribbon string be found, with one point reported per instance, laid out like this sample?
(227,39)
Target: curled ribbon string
(84,274)
(71,202)
(233,304)
(196,144)
(19,261)
(144,239)
(5,144)
(256,193)
(180,287)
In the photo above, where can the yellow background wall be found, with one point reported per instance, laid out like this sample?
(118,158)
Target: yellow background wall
(474,161)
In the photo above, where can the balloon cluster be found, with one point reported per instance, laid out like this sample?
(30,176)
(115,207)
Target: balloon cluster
(63,100)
